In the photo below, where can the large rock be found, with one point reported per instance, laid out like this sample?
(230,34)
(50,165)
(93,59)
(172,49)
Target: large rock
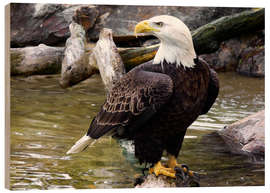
(244,54)
(252,62)
(246,136)
(226,57)
(32,24)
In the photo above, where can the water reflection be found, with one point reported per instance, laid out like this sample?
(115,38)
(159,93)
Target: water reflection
(46,120)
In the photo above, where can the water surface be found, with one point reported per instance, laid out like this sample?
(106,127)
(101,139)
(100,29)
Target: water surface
(46,121)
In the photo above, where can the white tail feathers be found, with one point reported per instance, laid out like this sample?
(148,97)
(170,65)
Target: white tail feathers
(81,144)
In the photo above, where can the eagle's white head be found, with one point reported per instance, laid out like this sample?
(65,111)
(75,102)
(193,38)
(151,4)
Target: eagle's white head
(176,45)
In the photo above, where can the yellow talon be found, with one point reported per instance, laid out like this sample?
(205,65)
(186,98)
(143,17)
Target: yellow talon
(160,169)
(172,162)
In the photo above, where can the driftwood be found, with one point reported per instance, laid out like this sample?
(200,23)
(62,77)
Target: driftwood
(78,64)
(206,39)
(44,59)
(40,59)
(82,60)
(109,62)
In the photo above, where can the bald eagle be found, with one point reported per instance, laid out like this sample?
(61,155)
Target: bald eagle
(154,104)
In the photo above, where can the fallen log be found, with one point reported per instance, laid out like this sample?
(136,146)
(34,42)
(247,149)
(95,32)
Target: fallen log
(207,38)
(40,59)
(135,56)
(44,59)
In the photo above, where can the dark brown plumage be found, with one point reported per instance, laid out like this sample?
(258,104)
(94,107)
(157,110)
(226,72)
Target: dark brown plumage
(154,107)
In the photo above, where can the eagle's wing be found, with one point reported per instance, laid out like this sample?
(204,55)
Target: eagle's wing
(133,100)
(213,89)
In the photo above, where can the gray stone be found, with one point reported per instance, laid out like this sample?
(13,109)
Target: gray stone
(226,57)
(244,54)
(252,62)
(33,24)
(246,136)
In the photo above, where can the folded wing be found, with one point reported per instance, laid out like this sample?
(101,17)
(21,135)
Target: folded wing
(134,99)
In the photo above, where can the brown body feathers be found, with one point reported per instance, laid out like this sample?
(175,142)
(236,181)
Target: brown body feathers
(153,106)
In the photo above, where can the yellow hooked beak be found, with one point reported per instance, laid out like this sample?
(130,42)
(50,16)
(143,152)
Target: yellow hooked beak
(144,27)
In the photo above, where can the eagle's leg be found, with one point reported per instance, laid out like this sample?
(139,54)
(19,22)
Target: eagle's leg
(172,163)
(160,169)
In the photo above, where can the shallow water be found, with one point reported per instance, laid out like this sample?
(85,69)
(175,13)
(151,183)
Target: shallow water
(46,121)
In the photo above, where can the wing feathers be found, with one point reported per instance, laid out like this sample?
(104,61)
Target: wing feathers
(81,144)
(135,93)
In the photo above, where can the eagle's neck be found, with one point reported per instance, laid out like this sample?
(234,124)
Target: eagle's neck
(175,54)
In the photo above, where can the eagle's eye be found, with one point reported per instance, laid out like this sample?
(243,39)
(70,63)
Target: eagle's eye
(160,24)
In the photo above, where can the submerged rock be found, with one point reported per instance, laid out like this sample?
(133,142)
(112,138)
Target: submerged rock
(246,136)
